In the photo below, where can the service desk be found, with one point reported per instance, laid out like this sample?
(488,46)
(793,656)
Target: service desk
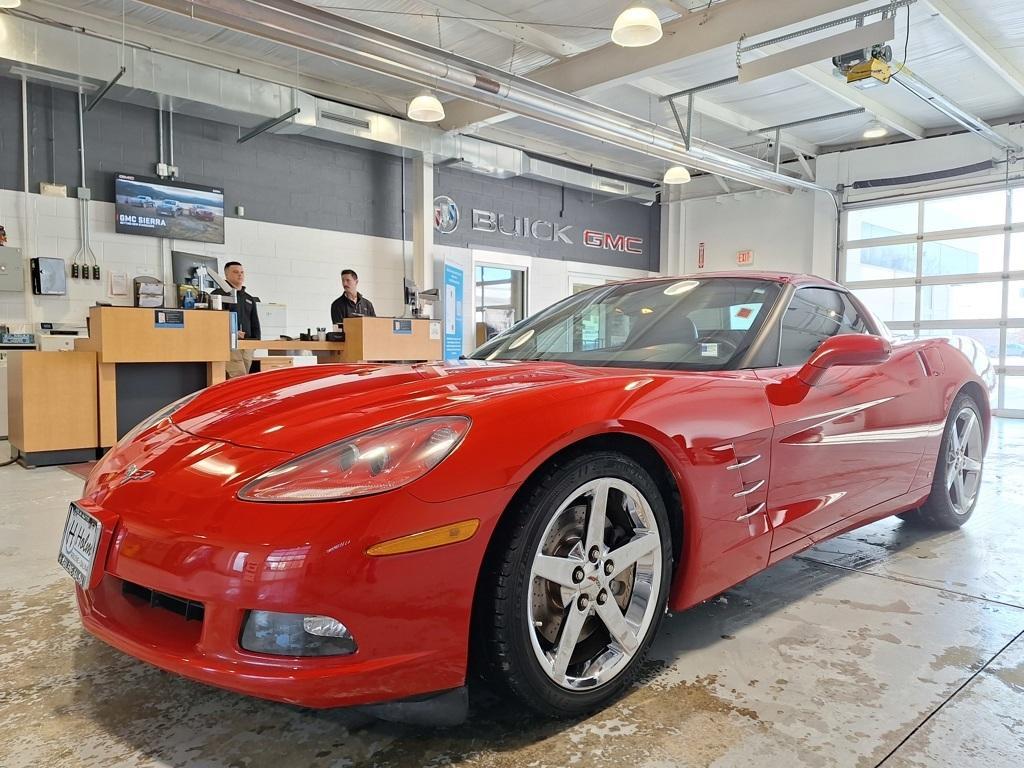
(369,339)
(148,358)
(52,407)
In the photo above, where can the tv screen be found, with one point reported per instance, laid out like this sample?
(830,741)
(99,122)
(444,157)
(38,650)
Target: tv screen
(162,208)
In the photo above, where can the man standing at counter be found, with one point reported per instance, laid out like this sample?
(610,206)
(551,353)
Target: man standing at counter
(248,319)
(351,303)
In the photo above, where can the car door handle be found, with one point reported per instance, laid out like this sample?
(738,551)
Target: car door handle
(746,463)
(747,491)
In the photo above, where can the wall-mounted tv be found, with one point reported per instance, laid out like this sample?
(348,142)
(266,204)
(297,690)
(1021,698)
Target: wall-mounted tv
(162,208)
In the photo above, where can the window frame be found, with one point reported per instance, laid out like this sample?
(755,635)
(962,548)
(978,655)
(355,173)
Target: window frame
(776,323)
(1004,324)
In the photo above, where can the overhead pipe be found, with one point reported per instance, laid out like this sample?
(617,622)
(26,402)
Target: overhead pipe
(341,39)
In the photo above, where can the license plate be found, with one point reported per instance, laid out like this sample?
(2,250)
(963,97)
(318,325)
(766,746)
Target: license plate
(79,544)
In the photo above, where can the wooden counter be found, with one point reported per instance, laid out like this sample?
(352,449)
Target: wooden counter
(52,407)
(369,339)
(146,359)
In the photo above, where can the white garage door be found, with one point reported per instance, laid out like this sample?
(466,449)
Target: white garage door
(947,265)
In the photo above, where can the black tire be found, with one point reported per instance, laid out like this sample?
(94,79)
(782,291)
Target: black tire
(509,590)
(940,510)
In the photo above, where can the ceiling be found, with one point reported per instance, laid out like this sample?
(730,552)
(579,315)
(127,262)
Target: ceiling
(522,36)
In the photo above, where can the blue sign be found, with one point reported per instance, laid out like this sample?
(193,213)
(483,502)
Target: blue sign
(402,326)
(453,277)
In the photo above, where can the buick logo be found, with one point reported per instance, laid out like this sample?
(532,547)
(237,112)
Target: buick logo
(446,215)
(134,473)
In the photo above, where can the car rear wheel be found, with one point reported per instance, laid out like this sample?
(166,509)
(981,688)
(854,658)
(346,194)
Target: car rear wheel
(579,585)
(957,478)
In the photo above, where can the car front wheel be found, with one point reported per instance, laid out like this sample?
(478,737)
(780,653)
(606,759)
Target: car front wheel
(580,585)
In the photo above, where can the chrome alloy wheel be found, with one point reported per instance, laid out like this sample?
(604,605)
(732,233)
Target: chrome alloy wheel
(964,460)
(594,583)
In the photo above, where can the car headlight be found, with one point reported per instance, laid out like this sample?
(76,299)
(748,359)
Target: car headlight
(156,418)
(374,462)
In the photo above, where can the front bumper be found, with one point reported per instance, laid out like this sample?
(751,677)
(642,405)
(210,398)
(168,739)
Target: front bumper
(409,614)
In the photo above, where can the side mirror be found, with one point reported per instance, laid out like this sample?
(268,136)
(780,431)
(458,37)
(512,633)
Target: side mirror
(848,349)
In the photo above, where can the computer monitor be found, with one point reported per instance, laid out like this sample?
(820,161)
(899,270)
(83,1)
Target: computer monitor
(183,268)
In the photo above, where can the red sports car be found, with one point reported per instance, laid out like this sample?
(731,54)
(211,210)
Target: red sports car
(361,534)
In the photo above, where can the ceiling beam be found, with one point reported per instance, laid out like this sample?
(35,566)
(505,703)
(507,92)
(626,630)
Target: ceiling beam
(981,47)
(689,35)
(725,115)
(858,98)
(503,26)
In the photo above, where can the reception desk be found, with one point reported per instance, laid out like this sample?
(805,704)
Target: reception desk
(52,407)
(70,406)
(148,358)
(369,340)
(66,407)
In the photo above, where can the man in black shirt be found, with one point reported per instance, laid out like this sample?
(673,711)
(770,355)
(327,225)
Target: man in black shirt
(248,319)
(351,303)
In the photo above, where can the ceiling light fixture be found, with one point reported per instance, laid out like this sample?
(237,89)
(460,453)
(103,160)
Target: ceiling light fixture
(676,175)
(875,130)
(426,108)
(10,3)
(636,27)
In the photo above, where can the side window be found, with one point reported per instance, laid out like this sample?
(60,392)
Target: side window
(814,315)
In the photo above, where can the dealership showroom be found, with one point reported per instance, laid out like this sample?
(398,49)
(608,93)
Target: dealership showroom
(405,383)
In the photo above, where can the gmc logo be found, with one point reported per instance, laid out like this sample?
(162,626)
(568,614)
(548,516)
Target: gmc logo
(609,242)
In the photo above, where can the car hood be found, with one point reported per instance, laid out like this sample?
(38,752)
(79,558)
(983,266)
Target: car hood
(300,409)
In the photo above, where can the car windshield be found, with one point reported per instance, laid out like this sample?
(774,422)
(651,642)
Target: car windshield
(700,324)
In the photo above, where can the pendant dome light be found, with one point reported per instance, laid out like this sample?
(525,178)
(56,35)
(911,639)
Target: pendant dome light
(426,108)
(875,130)
(636,27)
(676,175)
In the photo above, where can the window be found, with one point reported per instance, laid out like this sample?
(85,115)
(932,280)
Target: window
(499,298)
(947,266)
(885,221)
(964,256)
(679,324)
(979,210)
(889,304)
(816,314)
(881,262)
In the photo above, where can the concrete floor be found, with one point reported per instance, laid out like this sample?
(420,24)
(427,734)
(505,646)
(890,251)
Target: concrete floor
(888,646)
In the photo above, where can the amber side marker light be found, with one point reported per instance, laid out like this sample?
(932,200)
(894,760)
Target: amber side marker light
(435,537)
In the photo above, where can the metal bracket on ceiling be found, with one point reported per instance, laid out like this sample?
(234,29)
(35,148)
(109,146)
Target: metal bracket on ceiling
(267,125)
(103,91)
(686,132)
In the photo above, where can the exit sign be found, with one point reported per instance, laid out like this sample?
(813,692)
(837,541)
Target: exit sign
(745,257)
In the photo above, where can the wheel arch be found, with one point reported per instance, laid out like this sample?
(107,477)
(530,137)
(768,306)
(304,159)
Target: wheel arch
(980,396)
(641,450)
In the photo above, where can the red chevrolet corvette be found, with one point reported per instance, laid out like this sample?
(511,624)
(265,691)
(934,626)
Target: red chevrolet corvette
(380,534)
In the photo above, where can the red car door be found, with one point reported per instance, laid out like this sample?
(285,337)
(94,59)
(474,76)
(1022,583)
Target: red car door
(852,441)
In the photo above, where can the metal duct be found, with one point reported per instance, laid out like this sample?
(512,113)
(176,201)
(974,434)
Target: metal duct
(335,37)
(60,57)
(570,177)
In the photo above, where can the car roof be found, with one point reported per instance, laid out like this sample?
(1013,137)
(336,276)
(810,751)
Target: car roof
(796,278)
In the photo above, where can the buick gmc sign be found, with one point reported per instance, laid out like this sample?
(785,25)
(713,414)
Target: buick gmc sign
(446,220)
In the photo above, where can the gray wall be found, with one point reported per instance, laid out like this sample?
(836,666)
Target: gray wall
(527,198)
(279,179)
(295,180)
